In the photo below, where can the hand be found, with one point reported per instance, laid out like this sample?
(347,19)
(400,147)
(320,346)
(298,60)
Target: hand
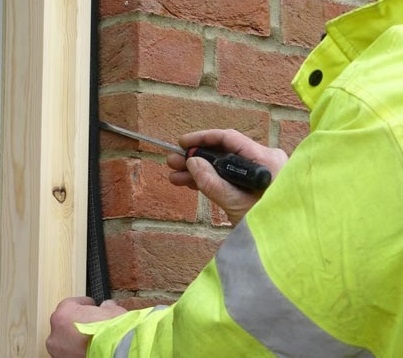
(65,341)
(197,173)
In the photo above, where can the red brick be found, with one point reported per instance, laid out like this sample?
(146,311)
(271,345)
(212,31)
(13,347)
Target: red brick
(156,261)
(140,189)
(112,7)
(141,50)
(118,53)
(332,10)
(238,15)
(121,110)
(167,118)
(304,20)
(291,134)
(122,262)
(246,72)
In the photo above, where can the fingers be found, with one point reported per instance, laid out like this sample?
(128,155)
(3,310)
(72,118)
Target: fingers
(181,176)
(176,161)
(206,178)
(232,141)
(232,200)
(195,173)
(111,308)
(275,159)
(182,179)
(64,339)
(83,301)
(68,307)
(228,139)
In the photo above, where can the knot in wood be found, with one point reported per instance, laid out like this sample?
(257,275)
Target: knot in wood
(59,194)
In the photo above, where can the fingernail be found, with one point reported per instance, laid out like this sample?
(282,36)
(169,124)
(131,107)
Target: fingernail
(108,303)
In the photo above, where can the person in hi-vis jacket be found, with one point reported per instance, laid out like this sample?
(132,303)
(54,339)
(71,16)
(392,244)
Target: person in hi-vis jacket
(313,267)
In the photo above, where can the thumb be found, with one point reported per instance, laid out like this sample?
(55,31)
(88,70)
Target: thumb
(111,309)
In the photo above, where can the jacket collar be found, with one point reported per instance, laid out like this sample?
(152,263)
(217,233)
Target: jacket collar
(347,37)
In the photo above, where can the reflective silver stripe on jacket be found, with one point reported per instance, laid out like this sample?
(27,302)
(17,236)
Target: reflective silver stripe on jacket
(123,348)
(255,303)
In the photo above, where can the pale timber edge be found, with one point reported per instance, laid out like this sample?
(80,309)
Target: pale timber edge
(45,110)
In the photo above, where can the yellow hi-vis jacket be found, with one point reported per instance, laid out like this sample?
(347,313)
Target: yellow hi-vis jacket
(315,269)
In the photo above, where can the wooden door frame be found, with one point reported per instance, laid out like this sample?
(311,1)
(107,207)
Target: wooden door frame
(44,166)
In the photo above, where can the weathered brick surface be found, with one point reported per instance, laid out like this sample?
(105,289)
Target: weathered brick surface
(304,20)
(166,118)
(121,110)
(140,189)
(141,50)
(250,16)
(156,261)
(118,55)
(109,8)
(249,73)
(291,134)
(334,9)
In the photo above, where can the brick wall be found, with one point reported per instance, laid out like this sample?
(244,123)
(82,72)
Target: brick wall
(173,66)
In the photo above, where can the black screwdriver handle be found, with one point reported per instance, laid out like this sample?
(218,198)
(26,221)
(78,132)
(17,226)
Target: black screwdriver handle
(235,169)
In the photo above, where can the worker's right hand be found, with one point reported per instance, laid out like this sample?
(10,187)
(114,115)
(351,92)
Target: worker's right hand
(197,173)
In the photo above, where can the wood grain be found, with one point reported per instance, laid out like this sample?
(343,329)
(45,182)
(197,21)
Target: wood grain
(45,107)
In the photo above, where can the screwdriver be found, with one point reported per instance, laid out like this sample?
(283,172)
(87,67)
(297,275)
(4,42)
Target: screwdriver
(233,168)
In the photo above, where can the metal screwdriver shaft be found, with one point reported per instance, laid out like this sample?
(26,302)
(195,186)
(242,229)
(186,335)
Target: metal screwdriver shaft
(145,138)
(233,168)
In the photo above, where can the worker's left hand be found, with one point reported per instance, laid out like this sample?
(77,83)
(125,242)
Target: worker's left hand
(65,341)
